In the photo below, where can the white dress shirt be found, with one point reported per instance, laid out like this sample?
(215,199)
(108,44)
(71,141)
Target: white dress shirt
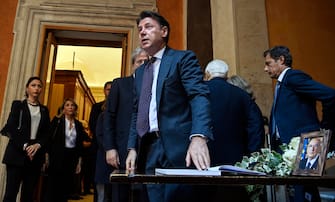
(35,115)
(70,134)
(153,121)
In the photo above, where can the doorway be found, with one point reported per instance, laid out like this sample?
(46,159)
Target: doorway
(78,45)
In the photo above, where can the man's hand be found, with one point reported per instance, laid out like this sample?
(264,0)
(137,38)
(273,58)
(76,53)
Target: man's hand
(112,158)
(130,161)
(198,153)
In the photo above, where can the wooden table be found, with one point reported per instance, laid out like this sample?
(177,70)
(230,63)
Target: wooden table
(325,181)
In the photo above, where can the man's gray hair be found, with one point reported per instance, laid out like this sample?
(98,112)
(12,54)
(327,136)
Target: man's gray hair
(135,53)
(217,68)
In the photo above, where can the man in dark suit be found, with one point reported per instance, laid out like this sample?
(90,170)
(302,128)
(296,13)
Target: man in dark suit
(117,123)
(312,155)
(96,110)
(294,106)
(237,120)
(177,124)
(118,114)
(237,126)
(298,93)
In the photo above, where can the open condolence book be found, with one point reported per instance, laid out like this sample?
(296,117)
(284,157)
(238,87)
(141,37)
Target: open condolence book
(212,171)
(236,170)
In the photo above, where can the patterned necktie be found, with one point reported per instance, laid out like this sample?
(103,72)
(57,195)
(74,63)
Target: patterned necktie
(308,166)
(142,123)
(274,126)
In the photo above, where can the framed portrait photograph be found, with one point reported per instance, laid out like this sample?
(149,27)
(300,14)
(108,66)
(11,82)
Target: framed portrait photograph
(312,153)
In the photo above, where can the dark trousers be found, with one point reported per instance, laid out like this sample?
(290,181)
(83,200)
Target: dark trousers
(306,194)
(28,175)
(120,192)
(88,169)
(153,154)
(214,193)
(61,180)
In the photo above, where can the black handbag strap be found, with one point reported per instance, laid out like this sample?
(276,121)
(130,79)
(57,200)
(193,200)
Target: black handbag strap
(4,130)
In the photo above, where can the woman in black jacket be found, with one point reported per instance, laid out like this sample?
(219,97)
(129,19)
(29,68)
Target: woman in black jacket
(65,152)
(27,128)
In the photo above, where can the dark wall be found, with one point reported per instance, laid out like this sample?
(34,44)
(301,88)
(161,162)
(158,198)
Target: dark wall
(199,30)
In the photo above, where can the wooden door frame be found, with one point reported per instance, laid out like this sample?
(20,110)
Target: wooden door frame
(44,49)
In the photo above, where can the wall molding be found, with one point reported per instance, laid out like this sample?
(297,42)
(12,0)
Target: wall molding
(32,15)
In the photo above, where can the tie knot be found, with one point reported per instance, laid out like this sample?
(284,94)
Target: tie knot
(152,60)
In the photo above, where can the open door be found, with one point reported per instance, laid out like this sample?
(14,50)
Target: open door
(125,71)
(47,67)
(54,38)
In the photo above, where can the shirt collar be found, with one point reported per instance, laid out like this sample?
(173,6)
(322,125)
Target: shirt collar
(159,54)
(282,74)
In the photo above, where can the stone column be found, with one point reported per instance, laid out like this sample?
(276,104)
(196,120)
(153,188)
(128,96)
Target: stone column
(224,32)
(239,37)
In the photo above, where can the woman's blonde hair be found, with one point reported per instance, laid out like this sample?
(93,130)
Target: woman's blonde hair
(60,111)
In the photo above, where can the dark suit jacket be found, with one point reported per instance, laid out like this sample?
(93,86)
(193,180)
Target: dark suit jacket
(95,112)
(182,104)
(117,117)
(295,110)
(303,162)
(102,170)
(238,127)
(19,135)
(56,147)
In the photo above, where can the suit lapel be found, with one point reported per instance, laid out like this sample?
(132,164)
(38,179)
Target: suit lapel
(139,79)
(281,85)
(164,69)
(43,118)
(129,81)
(63,125)
(26,115)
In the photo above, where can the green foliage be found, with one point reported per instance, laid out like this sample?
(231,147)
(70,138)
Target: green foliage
(266,161)
(270,162)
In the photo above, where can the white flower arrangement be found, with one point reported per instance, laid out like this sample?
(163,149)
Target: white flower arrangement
(274,163)
(331,155)
(270,162)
